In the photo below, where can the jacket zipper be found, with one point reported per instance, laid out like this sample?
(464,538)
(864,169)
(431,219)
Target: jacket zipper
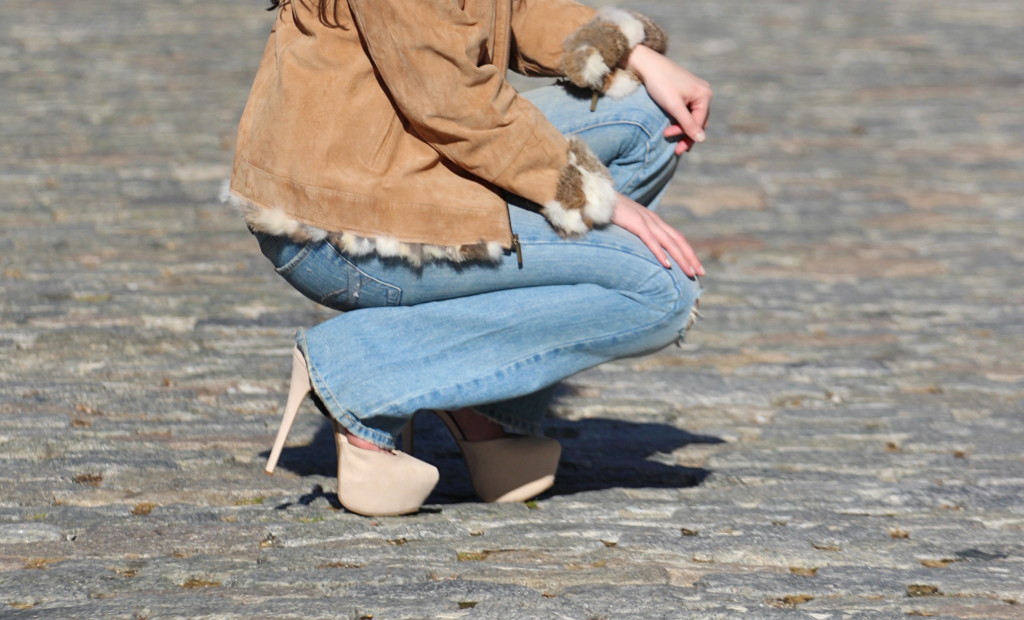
(518,248)
(508,40)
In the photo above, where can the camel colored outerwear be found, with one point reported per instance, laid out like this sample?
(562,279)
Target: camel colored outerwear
(392,129)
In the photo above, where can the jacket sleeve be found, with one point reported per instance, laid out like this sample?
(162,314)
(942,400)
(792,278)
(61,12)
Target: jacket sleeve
(539,27)
(437,77)
(565,38)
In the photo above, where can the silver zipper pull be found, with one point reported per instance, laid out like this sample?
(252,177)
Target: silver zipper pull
(518,248)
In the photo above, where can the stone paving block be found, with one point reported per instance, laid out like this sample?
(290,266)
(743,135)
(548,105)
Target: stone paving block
(838,437)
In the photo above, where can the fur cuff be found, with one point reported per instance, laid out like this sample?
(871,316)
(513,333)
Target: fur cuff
(595,54)
(585,196)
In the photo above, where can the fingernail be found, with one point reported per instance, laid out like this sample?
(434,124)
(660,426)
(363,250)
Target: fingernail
(700,136)
(701,271)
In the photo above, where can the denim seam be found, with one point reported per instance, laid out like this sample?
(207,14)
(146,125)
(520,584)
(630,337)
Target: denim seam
(293,264)
(329,296)
(362,274)
(615,122)
(628,183)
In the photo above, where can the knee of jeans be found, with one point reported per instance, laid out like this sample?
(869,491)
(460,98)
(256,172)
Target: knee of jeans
(650,117)
(675,295)
(644,153)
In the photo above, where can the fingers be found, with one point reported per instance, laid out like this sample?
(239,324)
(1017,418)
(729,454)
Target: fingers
(645,232)
(655,247)
(684,143)
(691,117)
(686,124)
(680,250)
(638,221)
(663,238)
(701,110)
(683,253)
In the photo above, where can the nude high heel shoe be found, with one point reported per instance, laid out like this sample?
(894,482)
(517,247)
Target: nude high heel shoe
(370,483)
(507,469)
(378,484)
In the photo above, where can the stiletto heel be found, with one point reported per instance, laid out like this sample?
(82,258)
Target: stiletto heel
(298,390)
(370,483)
(507,469)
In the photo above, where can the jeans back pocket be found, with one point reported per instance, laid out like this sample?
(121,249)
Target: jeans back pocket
(322,273)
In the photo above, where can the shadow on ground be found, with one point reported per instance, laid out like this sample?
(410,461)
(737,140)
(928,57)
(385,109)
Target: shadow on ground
(597,454)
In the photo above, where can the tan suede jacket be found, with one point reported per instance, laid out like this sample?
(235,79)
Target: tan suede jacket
(391,128)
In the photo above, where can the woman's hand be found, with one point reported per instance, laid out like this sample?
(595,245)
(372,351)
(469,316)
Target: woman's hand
(658,236)
(685,97)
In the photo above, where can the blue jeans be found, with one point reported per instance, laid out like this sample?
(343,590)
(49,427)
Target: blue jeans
(496,336)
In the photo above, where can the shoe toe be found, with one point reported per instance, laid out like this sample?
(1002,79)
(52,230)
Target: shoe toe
(378,484)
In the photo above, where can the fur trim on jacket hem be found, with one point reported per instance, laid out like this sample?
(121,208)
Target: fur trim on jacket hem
(274,221)
(585,196)
(595,54)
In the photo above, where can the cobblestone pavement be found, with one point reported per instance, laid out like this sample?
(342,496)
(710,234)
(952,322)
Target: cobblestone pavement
(841,436)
